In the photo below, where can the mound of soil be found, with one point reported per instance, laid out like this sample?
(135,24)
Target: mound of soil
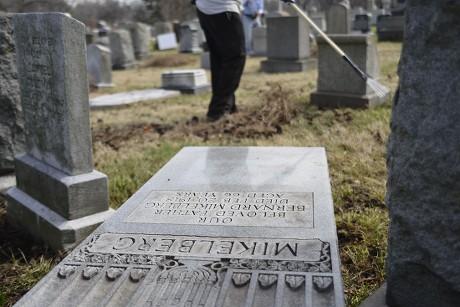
(264,120)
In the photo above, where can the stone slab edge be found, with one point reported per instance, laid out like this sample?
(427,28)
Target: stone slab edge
(334,100)
(274,66)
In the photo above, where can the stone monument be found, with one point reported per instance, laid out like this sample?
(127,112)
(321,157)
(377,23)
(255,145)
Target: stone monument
(216,226)
(423,262)
(338,85)
(59,198)
(99,61)
(189,38)
(192,81)
(287,53)
(259,41)
(140,36)
(339,18)
(121,47)
(11,119)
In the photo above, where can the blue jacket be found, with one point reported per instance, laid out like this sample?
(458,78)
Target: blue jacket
(251,7)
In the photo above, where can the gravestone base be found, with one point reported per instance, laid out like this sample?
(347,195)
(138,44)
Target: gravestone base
(104,85)
(58,208)
(340,100)
(33,217)
(275,66)
(190,90)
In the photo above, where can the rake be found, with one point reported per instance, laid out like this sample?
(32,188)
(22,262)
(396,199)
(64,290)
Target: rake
(381,90)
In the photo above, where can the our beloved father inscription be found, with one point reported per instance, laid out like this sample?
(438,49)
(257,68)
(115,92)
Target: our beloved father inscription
(290,209)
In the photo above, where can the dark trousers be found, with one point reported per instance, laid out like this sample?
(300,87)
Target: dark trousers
(225,39)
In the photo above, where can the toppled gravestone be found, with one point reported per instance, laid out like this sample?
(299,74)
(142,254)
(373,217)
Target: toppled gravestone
(423,188)
(11,119)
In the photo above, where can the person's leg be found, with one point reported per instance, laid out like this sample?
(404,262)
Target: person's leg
(226,32)
(247,26)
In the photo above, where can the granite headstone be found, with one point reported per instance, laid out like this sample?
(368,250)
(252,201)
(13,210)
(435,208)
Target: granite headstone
(287,53)
(121,47)
(59,198)
(423,262)
(216,226)
(140,36)
(259,41)
(339,18)
(192,81)
(189,38)
(11,119)
(99,61)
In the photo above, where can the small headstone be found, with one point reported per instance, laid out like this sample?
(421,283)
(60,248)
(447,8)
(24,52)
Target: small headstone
(339,18)
(206,60)
(140,36)
(189,38)
(338,85)
(259,41)
(287,53)
(99,63)
(102,33)
(390,28)
(362,22)
(186,81)
(319,18)
(217,226)
(121,47)
(59,198)
(11,118)
(423,262)
(167,41)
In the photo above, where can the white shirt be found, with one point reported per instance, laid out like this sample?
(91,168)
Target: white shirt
(211,7)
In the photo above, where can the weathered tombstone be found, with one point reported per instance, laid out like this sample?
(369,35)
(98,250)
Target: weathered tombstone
(140,36)
(121,47)
(99,61)
(205,60)
(186,81)
(287,53)
(362,22)
(338,85)
(339,18)
(423,262)
(59,198)
(189,38)
(102,33)
(167,41)
(241,226)
(259,41)
(319,18)
(11,119)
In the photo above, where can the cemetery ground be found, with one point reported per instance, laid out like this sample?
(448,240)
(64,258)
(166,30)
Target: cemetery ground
(130,144)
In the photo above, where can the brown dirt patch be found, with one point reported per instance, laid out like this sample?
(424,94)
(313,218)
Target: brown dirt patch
(170,60)
(263,120)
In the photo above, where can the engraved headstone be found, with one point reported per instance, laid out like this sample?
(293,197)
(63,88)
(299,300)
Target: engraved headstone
(287,53)
(339,18)
(222,226)
(11,119)
(99,63)
(192,81)
(140,36)
(338,85)
(121,47)
(59,198)
(423,263)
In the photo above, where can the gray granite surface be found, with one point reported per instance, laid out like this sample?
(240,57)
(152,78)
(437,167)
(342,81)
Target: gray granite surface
(216,226)
(125,98)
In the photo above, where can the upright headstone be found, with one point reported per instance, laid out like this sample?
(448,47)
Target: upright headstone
(259,41)
(140,36)
(287,53)
(217,226)
(59,198)
(362,22)
(99,61)
(11,119)
(319,18)
(167,41)
(339,18)
(205,60)
(423,263)
(121,47)
(189,38)
(338,85)
(102,33)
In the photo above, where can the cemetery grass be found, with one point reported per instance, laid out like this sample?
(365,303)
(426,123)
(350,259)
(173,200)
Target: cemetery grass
(132,143)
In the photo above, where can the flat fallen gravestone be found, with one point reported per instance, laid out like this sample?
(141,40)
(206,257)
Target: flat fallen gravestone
(216,226)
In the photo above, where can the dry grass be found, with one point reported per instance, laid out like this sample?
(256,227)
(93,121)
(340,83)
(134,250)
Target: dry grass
(131,144)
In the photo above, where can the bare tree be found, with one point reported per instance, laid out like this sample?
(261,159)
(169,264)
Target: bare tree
(23,6)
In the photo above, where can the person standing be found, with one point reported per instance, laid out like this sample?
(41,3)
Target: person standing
(252,12)
(223,28)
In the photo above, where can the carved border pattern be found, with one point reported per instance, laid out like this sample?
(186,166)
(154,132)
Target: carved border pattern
(323,265)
